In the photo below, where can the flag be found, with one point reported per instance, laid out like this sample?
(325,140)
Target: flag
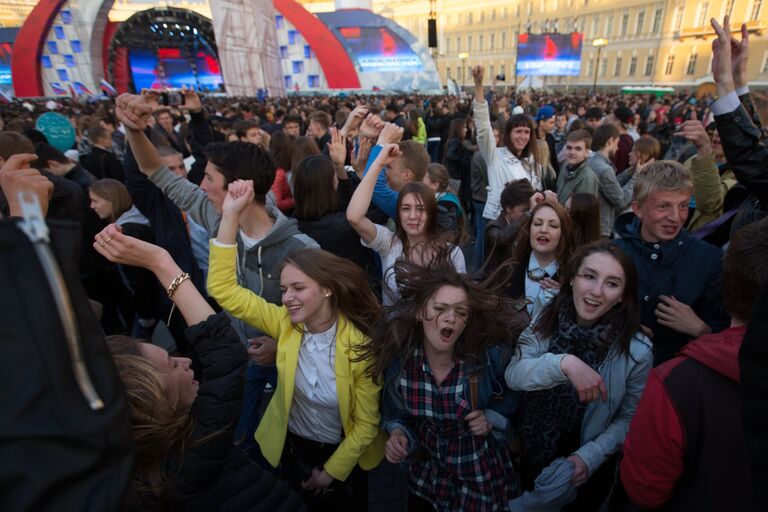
(107,88)
(82,89)
(58,89)
(72,92)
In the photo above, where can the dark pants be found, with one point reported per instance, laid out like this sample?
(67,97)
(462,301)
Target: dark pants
(419,504)
(301,456)
(256,378)
(433,148)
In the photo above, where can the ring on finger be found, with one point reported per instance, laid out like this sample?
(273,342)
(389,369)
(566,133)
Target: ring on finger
(107,240)
(101,243)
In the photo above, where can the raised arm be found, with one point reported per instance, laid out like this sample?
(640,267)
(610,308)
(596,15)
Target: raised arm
(119,248)
(361,199)
(133,111)
(486,143)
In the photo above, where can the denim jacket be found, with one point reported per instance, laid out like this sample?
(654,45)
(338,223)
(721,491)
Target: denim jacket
(605,424)
(498,402)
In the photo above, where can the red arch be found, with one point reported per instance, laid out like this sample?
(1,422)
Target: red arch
(25,63)
(333,58)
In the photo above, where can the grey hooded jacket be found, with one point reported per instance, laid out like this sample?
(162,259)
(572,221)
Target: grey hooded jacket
(612,196)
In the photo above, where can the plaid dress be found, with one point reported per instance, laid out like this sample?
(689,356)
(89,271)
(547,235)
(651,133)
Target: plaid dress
(452,468)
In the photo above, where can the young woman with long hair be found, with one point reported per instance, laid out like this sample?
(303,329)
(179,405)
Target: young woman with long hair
(322,421)
(543,245)
(416,237)
(183,424)
(583,365)
(281,148)
(517,158)
(444,405)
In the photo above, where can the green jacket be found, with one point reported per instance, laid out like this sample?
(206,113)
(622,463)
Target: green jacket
(583,179)
(709,189)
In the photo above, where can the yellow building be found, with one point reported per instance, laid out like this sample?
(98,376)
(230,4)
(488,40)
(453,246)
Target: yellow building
(650,42)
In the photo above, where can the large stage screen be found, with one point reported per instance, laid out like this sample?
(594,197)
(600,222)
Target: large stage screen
(6,50)
(379,49)
(172,68)
(549,54)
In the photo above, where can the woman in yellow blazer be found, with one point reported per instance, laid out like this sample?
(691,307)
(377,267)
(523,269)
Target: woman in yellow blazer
(322,420)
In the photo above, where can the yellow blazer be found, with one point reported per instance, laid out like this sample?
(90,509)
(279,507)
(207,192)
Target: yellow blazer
(363,442)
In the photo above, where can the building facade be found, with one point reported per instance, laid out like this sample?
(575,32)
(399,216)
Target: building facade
(650,42)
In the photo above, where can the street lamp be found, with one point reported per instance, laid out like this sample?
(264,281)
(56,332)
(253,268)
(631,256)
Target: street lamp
(463,56)
(598,43)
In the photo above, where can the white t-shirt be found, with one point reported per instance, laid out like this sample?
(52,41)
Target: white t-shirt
(390,249)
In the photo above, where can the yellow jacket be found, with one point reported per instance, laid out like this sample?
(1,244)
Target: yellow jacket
(363,443)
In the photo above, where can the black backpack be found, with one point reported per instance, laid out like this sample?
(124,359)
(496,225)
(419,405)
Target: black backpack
(65,428)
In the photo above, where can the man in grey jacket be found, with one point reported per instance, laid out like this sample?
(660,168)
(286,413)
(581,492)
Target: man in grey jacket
(265,236)
(575,175)
(612,196)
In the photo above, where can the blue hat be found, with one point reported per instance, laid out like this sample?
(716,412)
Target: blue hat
(545,112)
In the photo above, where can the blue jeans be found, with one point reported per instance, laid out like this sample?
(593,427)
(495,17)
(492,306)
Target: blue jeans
(256,377)
(478,254)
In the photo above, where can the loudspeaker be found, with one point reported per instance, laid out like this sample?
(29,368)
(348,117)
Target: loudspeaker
(432,33)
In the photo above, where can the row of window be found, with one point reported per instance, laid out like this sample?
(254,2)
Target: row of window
(53,47)
(313,81)
(650,60)
(284,53)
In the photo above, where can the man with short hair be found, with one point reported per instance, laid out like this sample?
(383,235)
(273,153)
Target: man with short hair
(319,123)
(593,117)
(164,134)
(575,175)
(292,126)
(249,131)
(612,196)
(685,449)
(101,161)
(560,131)
(679,276)
(395,116)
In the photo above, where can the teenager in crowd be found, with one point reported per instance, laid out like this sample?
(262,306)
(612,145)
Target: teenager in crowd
(458,158)
(575,175)
(583,365)
(585,214)
(322,421)
(444,405)
(183,424)
(613,195)
(416,237)
(452,222)
(281,148)
(517,200)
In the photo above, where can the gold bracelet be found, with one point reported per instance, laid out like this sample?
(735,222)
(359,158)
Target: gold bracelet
(176,283)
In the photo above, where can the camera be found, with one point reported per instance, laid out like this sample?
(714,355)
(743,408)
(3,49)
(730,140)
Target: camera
(501,77)
(172,98)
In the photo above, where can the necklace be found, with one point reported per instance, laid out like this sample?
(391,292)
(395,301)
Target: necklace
(537,274)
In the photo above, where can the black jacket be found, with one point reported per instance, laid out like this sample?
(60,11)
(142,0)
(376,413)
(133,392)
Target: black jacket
(214,473)
(103,164)
(740,133)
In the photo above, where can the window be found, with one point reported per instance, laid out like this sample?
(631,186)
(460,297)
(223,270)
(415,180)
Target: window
(46,60)
(63,75)
(670,64)
(493,41)
(447,45)
(590,66)
(288,81)
(755,12)
(632,66)
(283,52)
(448,71)
(624,24)
(458,44)
(691,64)
(603,66)
(279,21)
(701,15)
(469,18)
(75,45)
(480,42)
(765,63)
(649,65)
(493,14)
(469,43)
(570,4)
(314,81)
(292,36)
(482,16)
(657,14)
(595,27)
(678,17)
(582,21)
(307,51)
(529,10)
(69,60)
(503,40)
(66,16)
(53,47)
(609,26)
(58,30)
(298,66)
(617,67)
(640,22)
(501,69)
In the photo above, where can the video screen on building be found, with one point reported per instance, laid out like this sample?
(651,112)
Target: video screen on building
(379,49)
(171,68)
(549,54)
(6,50)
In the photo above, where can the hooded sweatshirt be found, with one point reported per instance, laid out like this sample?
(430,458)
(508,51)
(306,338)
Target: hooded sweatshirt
(685,449)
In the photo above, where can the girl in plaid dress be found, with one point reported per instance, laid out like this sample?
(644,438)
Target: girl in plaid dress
(444,405)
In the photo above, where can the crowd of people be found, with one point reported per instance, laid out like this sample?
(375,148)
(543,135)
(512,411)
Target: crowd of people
(524,301)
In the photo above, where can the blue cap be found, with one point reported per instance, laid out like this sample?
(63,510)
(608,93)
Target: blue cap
(545,112)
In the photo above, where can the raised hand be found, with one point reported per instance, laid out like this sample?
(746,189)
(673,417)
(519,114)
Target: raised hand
(354,119)
(693,130)
(364,145)
(16,176)
(111,243)
(191,100)
(389,154)
(477,75)
(337,148)
(739,57)
(134,110)
(371,126)
(722,67)
(390,134)
(239,196)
